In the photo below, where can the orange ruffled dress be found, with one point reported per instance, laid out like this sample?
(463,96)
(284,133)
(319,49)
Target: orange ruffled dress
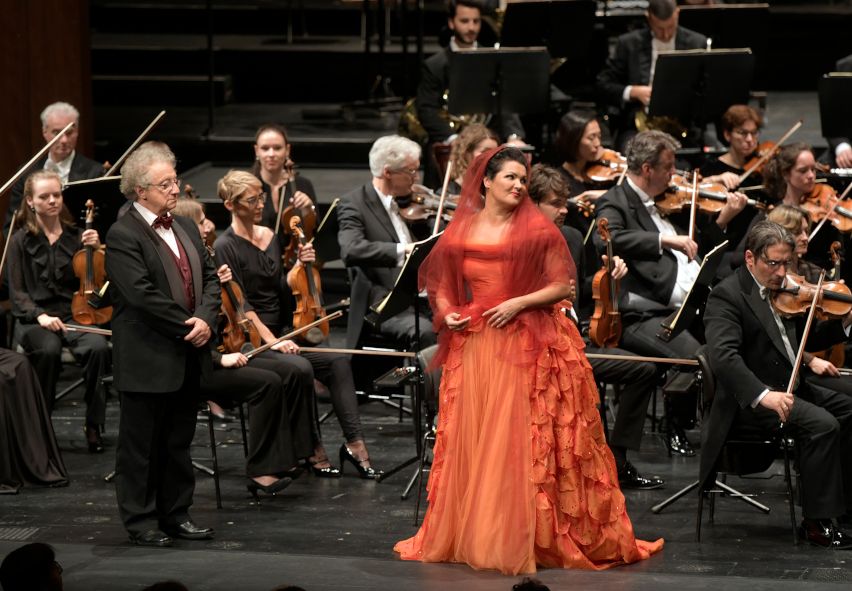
(522,475)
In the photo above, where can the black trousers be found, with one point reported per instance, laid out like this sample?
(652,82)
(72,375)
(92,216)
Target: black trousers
(821,422)
(154,482)
(400,328)
(270,444)
(637,382)
(642,338)
(44,349)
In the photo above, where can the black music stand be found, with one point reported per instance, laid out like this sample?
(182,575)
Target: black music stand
(499,81)
(404,294)
(835,96)
(325,237)
(106,195)
(695,87)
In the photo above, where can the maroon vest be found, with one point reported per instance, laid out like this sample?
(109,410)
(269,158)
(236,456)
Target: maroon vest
(182,264)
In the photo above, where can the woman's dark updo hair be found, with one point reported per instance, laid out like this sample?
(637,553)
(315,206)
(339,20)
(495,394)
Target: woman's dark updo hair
(572,126)
(497,161)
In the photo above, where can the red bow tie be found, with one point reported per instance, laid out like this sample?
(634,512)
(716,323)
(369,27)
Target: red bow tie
(163,221)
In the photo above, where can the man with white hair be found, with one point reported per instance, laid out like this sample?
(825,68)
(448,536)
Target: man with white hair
(374,239)
(62,158)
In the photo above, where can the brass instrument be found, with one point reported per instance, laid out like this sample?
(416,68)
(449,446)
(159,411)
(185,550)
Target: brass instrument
(410,126)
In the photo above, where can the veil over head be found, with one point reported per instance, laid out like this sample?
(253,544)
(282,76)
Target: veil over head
(534,255)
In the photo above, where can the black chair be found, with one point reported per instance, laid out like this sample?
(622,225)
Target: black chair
(214,472)
(740,457)
(430,387)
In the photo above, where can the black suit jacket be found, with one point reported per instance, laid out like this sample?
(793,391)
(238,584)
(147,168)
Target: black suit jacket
(82,168)
(149,353)
(368,244)
(843,65)
(747,354)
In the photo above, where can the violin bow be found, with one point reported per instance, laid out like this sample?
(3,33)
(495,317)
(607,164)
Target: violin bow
(771,152)
(115,167)
(8,240)
(800,355)
(443,197)
(831,209)
(294,333)
(693,204)
(26,167)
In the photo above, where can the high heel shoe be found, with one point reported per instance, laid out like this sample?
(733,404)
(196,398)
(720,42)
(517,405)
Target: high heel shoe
(327,472)
(93,439)
(368,473)
(254,486)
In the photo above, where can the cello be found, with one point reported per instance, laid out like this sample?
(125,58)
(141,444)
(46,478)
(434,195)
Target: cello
(304,282)
(605,326)
(88,265)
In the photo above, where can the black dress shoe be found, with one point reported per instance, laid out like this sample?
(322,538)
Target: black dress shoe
(679,444)
(366,472)
(822,532)
(93,439)
(254,487)
(152,537)
(629,477)
(188,531)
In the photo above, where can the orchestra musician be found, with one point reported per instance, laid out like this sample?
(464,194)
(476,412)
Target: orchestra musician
(752,359)
(740,126)
(374,240)
(62,158)
(464,19)
(166,299)
(42,284)
(626,80)
(473,140)
(840,148)
(253,257)
(636,380)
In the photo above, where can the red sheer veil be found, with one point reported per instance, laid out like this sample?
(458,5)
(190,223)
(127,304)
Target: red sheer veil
(534,255)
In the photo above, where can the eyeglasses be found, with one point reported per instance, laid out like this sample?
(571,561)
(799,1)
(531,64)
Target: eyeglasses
(412,172)
(744,133)
(773,264)
(253,201)
(165,185)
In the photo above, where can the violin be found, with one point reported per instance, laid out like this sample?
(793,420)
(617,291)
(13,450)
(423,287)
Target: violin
(796,297)
(712,197)
(822,202)
(307,217)
(304,282)
(238,332)
(605,326)
(607,168)
(836,354)
(88,265)
(424,204)
(765,151)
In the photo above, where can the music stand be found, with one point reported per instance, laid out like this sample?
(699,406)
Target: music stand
(104,192)
(499,81)
(325,237)
(404,293)
(835,96)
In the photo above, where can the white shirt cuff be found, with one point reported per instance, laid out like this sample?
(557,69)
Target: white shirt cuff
(625,96)
(760,396)
(400,254)
(842,148)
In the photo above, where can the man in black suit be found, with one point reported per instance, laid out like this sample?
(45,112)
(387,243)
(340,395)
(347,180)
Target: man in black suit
(62,157)
(752,353)
(166,298)
(374,239)
(840,148)
(625,82)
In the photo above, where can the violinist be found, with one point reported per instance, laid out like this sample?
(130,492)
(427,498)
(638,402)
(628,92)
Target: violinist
(252,254)
(740,126)
(473,140)
(42,283)
(637,381)
(578,145)
(752,355)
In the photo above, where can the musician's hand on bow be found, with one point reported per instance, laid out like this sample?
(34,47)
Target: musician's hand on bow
(454,321)
(233,360)
(200,333)
(501,314)
(682,243)
(286,347)
(641,94)
(51,323)
(780,402)
(224,273)
(90,238)
(844,158)
(619,267)
(300,200)
(307,254)
(822,367)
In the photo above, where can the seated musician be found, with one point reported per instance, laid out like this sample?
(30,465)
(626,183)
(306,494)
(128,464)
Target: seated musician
(374,240)
(740,126)
(840,148)
(464,18)
(625,82)
(254,256)
(752,355)
(636,380)
(42,284)
(62,158)
(473,140)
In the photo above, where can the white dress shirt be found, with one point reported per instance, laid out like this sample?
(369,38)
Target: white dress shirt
(402,233)
(63,168)
(656,47)
(167,235)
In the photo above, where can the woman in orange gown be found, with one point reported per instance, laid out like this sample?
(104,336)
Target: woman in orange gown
(522,475)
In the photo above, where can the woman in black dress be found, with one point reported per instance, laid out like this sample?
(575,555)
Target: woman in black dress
(42,283)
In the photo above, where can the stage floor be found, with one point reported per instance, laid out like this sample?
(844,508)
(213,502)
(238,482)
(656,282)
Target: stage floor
(338,534)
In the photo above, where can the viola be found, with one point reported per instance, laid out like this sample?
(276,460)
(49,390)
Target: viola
(88,265)
(237,331)
(304,282)
(822,202)
(796,296)
(607,168)
(605,326)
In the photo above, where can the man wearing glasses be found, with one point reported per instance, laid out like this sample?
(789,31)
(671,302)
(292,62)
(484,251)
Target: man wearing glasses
(374,239)
(166,298)
(752,350)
